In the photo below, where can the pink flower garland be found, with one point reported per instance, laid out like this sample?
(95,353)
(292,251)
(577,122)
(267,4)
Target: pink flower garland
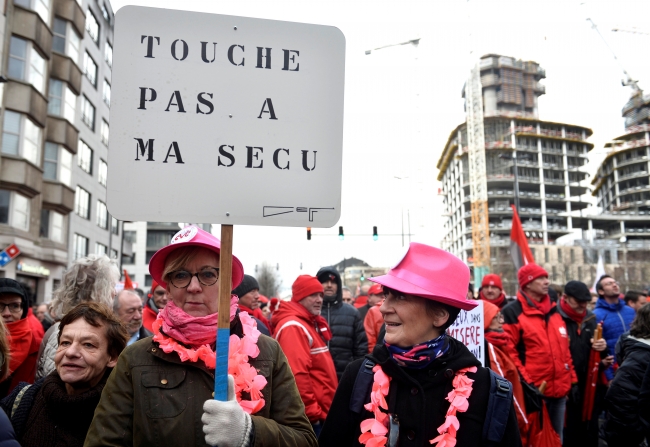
(240,350)
(374,430)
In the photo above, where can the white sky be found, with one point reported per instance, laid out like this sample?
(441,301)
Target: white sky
(402,102)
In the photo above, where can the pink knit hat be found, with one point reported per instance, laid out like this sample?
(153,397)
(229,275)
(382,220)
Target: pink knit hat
(304,286)
(430,273)
(187,237)
(529,273)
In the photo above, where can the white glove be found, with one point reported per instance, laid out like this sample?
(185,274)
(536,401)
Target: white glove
(225,424)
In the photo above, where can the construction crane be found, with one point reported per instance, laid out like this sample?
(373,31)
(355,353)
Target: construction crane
(477,175)
(628,81)
(631,31)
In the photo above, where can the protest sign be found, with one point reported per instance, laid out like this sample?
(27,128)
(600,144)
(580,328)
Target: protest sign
(468,329)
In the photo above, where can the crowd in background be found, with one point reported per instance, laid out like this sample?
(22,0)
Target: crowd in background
(577,360)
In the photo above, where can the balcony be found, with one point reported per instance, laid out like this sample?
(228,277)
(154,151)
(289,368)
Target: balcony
(59,130)
(65,69)
(58,196)
(28,24)
(20,175)
(24,98)
(72,12)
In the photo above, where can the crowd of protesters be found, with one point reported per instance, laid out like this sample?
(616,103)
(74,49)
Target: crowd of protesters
(102,367)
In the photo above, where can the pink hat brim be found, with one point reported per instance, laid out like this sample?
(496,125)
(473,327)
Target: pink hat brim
(404,286)
(157,262)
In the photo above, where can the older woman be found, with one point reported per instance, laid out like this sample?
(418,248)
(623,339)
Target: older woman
(162,388)
(426,387)
(91,278)
(57,410)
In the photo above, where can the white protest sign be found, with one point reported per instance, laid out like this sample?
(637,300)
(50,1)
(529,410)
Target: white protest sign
(223,119)
(468,329)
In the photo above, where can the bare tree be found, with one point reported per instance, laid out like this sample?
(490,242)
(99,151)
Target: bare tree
(269,280)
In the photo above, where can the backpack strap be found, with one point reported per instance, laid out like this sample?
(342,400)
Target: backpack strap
(498,409)
(362,386)
(19,397)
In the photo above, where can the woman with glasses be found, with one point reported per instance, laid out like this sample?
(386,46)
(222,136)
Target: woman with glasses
(161,392)
(419,387)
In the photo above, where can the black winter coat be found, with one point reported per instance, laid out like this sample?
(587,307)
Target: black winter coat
(623,426)
(7,435)
(417,398)
(349,341)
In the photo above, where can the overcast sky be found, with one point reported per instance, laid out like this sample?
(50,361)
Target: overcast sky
(402,102)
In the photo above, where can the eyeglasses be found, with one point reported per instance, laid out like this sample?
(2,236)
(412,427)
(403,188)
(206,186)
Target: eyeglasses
(13,307)
(182,278)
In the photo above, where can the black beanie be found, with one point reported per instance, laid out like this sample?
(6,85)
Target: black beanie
(248,283)
(11,286)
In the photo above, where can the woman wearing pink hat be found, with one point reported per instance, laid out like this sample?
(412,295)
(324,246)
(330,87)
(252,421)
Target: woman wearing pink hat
(160,392)
(425,387)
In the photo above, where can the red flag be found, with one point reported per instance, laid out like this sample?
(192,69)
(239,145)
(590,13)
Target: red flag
(128,285)
(519,250)
(592,378)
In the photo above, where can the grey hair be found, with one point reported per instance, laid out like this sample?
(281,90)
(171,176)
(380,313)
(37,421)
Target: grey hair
(91,278)
(116,300)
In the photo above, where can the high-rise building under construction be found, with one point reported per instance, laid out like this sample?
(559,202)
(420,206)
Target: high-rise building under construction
(536,165)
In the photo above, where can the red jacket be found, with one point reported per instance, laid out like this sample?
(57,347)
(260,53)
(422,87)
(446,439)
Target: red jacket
(309,358)
(372,324)
(148,317)
(539,345)
(24,345)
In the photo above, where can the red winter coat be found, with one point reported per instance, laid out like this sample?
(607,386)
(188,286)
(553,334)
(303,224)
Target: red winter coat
(539,345)
(312,365)
(148,317)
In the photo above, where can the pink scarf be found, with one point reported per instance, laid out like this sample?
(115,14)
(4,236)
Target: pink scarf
(189,330)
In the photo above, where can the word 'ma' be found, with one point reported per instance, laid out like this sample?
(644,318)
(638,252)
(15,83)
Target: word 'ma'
(226,158)
(180,51)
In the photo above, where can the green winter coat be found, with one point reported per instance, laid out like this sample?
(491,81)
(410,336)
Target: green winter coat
(153,399)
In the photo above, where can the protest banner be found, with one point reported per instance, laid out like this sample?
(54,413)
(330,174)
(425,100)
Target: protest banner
(468,329)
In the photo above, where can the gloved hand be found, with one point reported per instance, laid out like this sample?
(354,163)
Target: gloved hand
(225,424)
(574,394)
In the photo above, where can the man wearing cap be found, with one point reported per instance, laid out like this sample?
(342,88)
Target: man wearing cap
(581,327)
(492,290)
(303,335)
(156,301)
(614,315)
(349,341)
(248,293)
(538,335)
(375,296)
(24,341)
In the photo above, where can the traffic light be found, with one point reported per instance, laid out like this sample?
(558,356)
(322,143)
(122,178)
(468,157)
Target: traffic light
(375,236)
(341,235)
(363,276)
(309,233)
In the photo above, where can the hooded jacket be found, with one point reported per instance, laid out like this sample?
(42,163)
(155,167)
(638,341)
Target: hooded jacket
(616,319)
(308,356)
(541,344)
(417,397)
(622,399)
(349,341)
(149,314)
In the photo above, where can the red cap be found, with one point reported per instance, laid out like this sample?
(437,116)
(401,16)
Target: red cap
(304,286)
(489,312)
(529,273)
(191,236)
(376,289)
(432,274)
(154,284)
(492,280)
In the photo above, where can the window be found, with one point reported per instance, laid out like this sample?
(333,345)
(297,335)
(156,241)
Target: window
(21,137)
(85,157)
(62,101)
(82,203)
(100,249)
(80,246)
(104,132)
(14,209)
(26,64)
(573,256)
(559,255)
(107,93)
(42,8)
(126,259)
(57,163)
(115,226)
(102,215)
(65,39)
(579,272)
(148,280)
(113,254)
(103,172)
(108,54)
(130,236)
(92,26)
(105,13)
(52,224)
(546,256)
(88,113)
(90,69)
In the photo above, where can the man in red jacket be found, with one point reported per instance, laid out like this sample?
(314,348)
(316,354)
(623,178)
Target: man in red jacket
(538,336)
(303,335)
(492,290)
(156,301)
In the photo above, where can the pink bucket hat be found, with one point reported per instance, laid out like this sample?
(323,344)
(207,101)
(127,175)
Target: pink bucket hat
(191,236)
(430,273)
